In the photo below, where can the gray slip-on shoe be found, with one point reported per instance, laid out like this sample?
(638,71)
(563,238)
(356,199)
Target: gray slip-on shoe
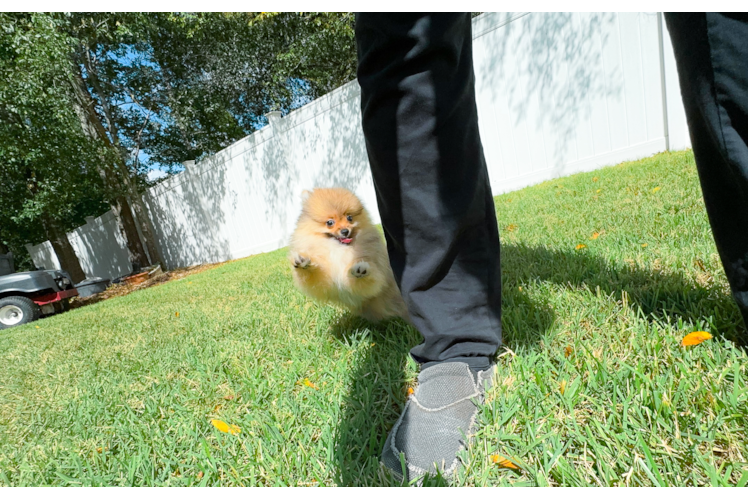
(437,418)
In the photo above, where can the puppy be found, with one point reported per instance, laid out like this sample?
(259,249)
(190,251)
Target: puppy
(339,256)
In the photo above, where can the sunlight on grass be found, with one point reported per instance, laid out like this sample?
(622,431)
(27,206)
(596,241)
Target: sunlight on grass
(604,273)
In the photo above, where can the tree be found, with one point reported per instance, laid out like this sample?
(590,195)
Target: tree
(46,168)
(96,37)
(206,80)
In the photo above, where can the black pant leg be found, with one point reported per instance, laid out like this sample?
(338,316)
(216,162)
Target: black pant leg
(711,52)
(421,127)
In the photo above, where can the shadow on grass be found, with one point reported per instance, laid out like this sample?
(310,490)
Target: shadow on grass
(660,296)
(378,392)
(380,382)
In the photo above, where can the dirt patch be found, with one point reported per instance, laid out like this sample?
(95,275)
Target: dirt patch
(122,289)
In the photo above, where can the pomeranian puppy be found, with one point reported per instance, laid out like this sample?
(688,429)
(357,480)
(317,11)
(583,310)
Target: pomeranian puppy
(339,256)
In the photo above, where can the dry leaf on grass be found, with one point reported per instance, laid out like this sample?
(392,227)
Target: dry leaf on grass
(567,351)
(502,461)
(224,427)
(309,383)
(695,338)
(580,246)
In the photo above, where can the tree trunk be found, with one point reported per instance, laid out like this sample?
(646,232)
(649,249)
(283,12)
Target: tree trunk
(146,226)
(92,127)
(129,229)
(65,254)
(129,185)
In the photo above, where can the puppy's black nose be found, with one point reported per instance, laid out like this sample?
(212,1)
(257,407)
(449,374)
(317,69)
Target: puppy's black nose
(345,232)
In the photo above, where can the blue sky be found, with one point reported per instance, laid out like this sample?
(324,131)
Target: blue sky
(299,88)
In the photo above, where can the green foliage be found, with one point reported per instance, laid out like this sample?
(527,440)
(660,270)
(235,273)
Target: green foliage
(47,166)
(179,86)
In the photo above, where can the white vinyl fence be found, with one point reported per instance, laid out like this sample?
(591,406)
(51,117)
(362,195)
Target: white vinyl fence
(556,93)
(100,247)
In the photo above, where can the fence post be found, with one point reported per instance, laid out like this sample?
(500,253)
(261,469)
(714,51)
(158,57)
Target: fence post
(674,114)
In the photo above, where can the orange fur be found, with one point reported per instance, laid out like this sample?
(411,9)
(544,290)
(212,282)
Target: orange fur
(356,275)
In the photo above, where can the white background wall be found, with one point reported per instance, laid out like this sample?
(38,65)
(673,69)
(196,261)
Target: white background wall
(100,247)
(556,93)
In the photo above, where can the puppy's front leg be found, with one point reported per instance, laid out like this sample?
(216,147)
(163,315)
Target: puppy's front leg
(300,261)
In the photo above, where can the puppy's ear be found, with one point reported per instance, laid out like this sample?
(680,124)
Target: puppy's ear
(305,194)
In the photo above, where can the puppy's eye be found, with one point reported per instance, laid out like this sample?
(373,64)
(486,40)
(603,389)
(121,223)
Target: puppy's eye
(349,218)
(330,223)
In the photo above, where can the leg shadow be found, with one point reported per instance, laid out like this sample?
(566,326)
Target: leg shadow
(661,296)
(379,388)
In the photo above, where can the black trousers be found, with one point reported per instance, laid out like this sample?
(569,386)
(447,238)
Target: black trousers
(420,122)
(711,52)
(421,129)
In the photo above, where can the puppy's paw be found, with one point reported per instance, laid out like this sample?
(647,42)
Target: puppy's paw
(301,262)
(360,270)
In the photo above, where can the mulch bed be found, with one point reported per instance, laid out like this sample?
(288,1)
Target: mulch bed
(124,288)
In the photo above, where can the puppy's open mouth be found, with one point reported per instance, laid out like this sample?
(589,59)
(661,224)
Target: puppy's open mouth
(343,240)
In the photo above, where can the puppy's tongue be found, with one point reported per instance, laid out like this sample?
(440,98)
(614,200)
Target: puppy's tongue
(345,241)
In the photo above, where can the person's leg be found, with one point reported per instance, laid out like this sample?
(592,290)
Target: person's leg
(711,52)
(421,127)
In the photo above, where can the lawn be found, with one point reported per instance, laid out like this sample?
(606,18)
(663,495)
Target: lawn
(603,275)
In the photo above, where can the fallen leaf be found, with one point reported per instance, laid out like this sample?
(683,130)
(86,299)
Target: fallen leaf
(656,189)
(562,387)
(511,227)
(37,326)
(598,190)
(200,475)
(595,235)
(229,397)
(580,246)
(410,391)
(224,427)
(695,338)
(594,179)
(309,383)
(700,264)
(567,351)
(217,407)
(644,245)
(504,462)
(176,314)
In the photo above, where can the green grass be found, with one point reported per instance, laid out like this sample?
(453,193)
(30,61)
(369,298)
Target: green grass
(122,392)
